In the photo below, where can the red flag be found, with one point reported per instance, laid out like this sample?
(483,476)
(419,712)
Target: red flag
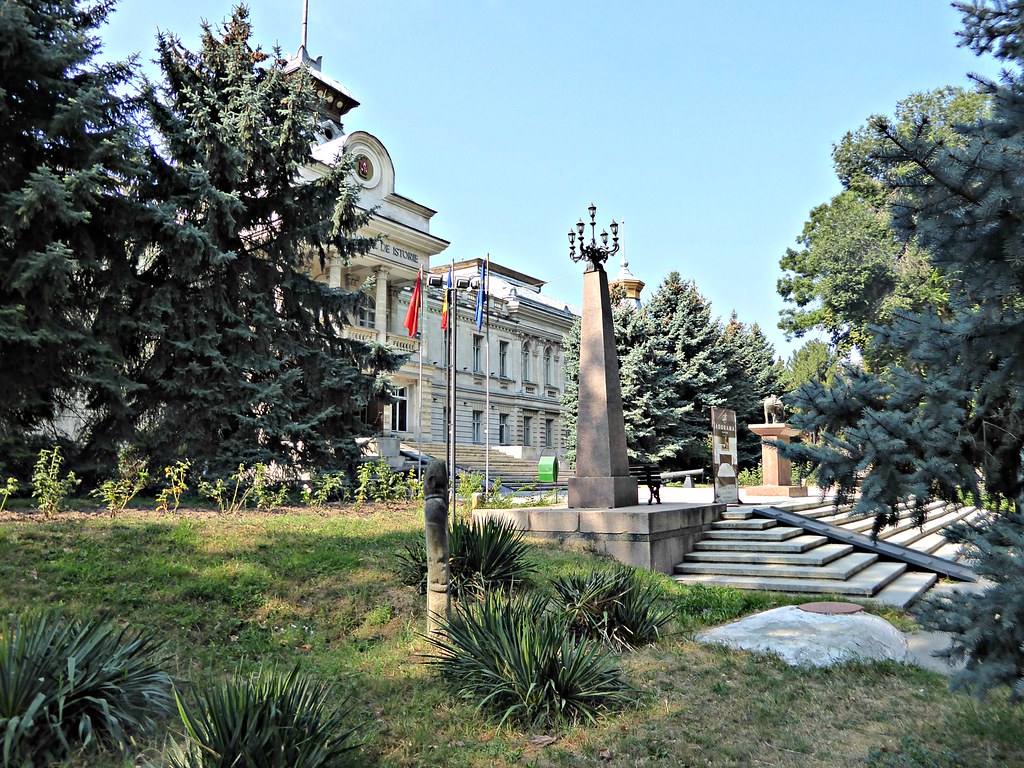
(412,315)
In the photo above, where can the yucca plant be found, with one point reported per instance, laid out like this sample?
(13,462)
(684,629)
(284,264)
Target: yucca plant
(522,663)
(483,556)
(274,720)
(66,685)
(614,605)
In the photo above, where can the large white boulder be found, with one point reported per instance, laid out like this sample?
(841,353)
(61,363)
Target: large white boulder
(807,639)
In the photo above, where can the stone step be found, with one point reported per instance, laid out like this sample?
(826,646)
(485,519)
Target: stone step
(737,514)
(867,583)
(909,536)
(906,588)
(817,556)
(794,544)
(753,524)
(839,570)
(864,524)
(778,533)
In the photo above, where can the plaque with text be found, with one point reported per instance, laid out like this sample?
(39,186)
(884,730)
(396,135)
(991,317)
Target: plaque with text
(723,455)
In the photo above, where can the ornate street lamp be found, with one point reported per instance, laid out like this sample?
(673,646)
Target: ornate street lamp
(592,252)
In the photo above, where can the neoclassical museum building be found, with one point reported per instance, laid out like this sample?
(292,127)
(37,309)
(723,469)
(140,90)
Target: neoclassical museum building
(509,373)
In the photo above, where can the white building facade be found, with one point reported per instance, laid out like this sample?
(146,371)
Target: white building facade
(510,373)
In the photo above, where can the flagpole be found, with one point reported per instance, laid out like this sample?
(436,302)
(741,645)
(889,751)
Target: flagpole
(419,384)
(453,320)
(487,375)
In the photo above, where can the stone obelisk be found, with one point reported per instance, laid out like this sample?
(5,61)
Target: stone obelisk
(602,466)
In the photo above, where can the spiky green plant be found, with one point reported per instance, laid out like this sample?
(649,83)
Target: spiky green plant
(273,720)
(614,605)
(522,663)
(483,556)
(67,685)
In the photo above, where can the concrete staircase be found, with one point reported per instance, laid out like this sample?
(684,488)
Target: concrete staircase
(746,551)
(475,457)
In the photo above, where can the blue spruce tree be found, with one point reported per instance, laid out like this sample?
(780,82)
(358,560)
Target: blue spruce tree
(948,420)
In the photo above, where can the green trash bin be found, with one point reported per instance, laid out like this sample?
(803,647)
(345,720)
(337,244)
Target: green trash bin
(547,469)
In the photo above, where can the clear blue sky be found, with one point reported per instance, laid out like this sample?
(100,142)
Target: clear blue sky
(707,127)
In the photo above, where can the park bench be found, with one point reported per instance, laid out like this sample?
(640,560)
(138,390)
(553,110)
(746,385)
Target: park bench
(652,476)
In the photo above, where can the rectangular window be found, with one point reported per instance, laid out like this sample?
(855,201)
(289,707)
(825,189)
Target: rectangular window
(478,426)
(549,433)
(478,354)
(504,438)
(503,359)
(400,410)
(527,430)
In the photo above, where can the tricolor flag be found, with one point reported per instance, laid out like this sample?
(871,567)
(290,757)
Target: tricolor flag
(481,297)
(412,315)
(448,282)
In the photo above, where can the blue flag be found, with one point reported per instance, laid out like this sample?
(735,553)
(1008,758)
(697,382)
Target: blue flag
(481,297)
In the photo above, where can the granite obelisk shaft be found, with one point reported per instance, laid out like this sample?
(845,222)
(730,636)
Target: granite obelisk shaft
(602,466)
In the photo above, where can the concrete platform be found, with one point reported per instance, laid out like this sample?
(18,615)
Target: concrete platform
(655,537)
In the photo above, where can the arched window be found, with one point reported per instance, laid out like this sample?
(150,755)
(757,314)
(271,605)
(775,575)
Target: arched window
(526,361)
(548,367)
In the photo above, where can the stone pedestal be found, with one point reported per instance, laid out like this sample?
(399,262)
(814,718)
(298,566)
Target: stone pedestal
(602,467)
(776,470)
(655,537)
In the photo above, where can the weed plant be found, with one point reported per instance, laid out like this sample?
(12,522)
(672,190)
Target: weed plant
(49,489)
(9,489)
(132,477)
(67,686)
(176,476)
(519,661)
(616,606)
(323,488)
(268,495)
(229,499)
(275,720)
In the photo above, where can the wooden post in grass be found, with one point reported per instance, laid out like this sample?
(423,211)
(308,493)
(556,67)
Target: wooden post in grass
(435,516)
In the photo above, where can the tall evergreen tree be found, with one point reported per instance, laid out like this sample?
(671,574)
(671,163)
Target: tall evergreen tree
(949,421)
(246,361)
(68,220)
(680,318)
(675,362)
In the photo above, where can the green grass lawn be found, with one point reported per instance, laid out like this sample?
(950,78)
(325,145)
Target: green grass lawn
(231,591)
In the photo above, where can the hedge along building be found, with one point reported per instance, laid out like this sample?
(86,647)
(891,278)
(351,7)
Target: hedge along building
(514,403)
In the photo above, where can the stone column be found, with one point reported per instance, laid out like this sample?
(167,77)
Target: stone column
(602,467)
(776,470)
(334,272)
(380,311)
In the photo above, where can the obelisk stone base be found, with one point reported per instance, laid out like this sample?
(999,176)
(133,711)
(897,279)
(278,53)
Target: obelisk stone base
(602,492)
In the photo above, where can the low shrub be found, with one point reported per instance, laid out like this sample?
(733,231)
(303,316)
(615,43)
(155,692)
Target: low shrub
(521,662)
(275,720)
(616,606)
(132,477)
(482,556)
(176,476)
(49,489)
(68,685)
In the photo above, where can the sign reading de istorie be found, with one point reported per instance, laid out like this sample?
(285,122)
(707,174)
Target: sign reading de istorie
(394,253)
